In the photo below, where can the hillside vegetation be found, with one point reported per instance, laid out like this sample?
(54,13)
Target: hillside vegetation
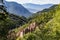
(8,22)
(48,28)
(43,25)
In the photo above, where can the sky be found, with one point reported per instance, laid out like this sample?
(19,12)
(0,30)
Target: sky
(37,1)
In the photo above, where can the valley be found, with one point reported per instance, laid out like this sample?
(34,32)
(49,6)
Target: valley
(18,23)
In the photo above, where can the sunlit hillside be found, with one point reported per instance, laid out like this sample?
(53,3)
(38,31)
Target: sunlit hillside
(47,25)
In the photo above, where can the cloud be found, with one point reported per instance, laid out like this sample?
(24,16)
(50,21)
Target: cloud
(37,1)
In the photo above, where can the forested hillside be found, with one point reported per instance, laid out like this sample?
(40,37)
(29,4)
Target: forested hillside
(47,27)
(8,22)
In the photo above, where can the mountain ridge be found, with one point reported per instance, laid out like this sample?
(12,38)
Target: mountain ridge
(36,7)
(17,9)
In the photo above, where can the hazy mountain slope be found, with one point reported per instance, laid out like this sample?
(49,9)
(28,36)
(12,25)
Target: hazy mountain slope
(36,7)
(17,9)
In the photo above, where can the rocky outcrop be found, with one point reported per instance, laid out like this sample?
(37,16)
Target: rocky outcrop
(30,28)
(11,35)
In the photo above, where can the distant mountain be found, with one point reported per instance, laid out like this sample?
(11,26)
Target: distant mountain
(36,7)
(17,9)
